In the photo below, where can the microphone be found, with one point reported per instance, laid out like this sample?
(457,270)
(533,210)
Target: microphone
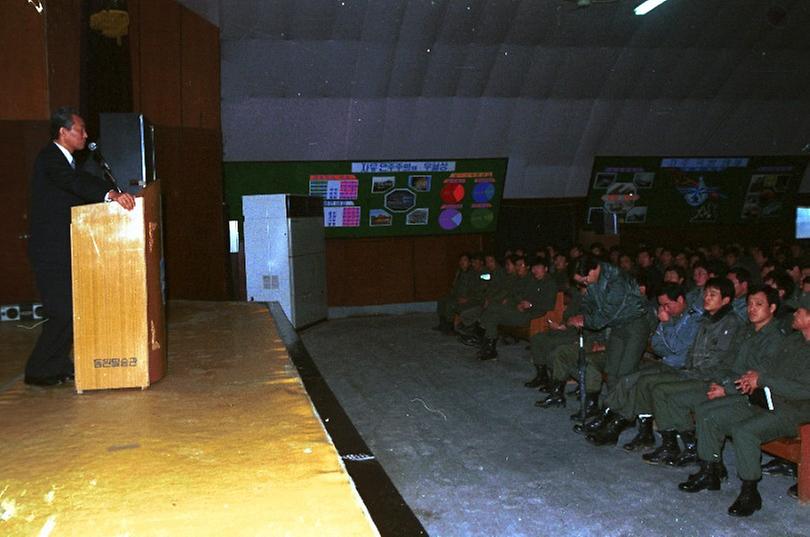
(93,147)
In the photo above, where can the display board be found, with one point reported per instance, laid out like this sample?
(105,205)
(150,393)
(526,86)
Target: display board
(382,198)
(663,191)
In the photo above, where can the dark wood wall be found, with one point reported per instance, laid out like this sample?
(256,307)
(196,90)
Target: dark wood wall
(175,72)
(394,270)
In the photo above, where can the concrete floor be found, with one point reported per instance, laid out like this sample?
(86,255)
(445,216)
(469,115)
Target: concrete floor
(471,455)
(227,444)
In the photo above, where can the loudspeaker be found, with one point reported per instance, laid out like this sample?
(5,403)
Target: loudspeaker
(127,142)
(10,312)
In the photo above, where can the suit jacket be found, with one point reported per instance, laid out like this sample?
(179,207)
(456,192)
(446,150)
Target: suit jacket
(55,188)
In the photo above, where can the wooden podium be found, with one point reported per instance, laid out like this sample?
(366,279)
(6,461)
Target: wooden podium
(119,327)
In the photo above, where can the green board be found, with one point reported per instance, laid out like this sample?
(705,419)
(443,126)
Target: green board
(666,191)
(381,198)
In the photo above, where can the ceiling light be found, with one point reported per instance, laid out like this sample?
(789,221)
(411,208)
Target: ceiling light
(647,6)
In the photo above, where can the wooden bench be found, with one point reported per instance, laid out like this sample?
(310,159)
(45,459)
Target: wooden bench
(796,450)
(538,324)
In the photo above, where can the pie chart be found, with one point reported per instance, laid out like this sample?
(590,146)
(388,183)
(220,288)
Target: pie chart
(483,192)
(450,219)
(452,193)
(481,218)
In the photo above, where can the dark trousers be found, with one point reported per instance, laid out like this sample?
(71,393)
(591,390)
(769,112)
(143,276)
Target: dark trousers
(51,354)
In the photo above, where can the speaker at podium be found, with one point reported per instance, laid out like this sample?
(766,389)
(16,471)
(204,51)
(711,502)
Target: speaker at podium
(127,141)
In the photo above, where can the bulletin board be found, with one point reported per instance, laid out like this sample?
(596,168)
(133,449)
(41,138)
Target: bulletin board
(382,198)
(666,191)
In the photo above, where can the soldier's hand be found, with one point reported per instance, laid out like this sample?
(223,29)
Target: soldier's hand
(715,391)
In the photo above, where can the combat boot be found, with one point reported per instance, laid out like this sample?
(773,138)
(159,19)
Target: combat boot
(595,424)
(488,351)
(540,380)
(556,398)
(472,336)
(748,502)
(591,407)
(667,451)
(708,478)
(445,326)
(723,472)
(689,454)
(644,437)
(609,434)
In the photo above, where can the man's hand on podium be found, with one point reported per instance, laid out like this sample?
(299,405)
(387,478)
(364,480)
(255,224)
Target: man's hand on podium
(124,199)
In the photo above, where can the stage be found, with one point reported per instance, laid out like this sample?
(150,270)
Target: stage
(228,443)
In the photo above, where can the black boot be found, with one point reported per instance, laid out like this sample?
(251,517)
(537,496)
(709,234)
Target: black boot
(445,326)
(779,466)
(609,434)
(689,454)
(595,424)
(667,451)
(723,472)
(591,407)
(748,502)
(556,398)
(708,478)
(488,351)
(644,437)
(540,380)
(793,491)
(472,336)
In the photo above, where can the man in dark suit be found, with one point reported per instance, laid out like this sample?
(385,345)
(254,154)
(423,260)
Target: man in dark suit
(56,186)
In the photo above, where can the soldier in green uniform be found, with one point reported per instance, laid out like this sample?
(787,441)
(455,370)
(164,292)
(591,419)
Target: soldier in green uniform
(543,343)
(778,402)
(496,282)
(532,296)
(674,402)
(466,292)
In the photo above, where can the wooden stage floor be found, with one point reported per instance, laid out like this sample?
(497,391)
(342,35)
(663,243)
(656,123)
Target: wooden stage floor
(227,444)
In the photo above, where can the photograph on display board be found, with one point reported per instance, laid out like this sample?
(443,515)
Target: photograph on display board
(417,217)
(382,184)
(378,217)
(644,179)
(420,183)
(636,215)
(603,180)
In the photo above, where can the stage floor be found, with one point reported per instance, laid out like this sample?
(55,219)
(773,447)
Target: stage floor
(228,443)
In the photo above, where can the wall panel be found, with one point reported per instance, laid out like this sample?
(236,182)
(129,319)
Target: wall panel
(23,62)
(64,53)
(200,71)
(160,78)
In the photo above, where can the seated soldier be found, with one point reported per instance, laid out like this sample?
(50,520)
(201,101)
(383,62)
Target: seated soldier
(561,273)
(674,402)
(675,274)
(783,284)
(700,274)
(465,293)
(542,343)
(496,282)
(533,295)
(740,279)
(671,340)
(714,340)
(778,402)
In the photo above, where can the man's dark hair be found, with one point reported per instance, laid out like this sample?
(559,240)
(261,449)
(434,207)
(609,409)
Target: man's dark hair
(645,249)
(676,269)
(540,260)
(770,293)
(477,256)
(585,264)
(723,285)
(782,280)
(672,291)
(516,258)
(62,117)
(743,274)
